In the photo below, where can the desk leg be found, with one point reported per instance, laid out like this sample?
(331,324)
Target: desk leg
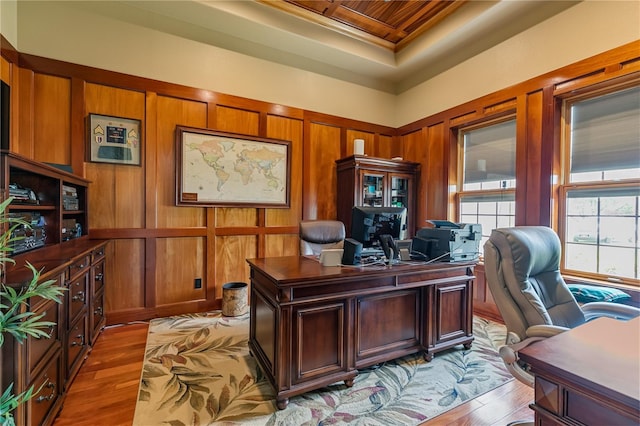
(282,403)
(428,356)
(349,382)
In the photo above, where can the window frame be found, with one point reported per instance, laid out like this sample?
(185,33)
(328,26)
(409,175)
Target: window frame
(565,186)
(460,193)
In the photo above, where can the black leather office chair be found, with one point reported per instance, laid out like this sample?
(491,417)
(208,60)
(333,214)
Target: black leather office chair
(522,267)
(316,235)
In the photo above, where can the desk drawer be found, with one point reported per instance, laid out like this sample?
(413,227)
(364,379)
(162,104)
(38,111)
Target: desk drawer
(97,319)
(37,348)
(98,277)
(98,253)
(39,408)
(76,342)
(79,266)
(77,296)
(592,410)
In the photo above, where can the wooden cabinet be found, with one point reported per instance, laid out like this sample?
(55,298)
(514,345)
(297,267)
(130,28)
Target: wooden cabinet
(378,182)
(313,325)
(55,361)
(38,362)
(58,245)
(52,200)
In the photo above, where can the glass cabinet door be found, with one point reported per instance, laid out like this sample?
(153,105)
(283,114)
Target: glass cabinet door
(400,191)
(372,190)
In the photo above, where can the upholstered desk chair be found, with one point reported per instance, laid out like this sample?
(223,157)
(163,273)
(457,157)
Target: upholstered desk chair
(316,235)
(522,267)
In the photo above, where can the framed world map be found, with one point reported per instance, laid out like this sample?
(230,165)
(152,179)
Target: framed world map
(232,170)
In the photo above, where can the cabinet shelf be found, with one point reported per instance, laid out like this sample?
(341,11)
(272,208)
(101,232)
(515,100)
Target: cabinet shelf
(51,187)
(33,207)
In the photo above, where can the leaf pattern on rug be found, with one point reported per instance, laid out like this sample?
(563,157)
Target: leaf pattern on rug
(198,371)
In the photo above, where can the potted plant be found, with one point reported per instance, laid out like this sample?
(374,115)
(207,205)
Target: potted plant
(14,319)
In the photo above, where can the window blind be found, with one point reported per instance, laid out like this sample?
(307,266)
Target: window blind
(490,153)
(605,132)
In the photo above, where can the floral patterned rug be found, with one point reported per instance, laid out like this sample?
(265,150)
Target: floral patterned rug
(198,371)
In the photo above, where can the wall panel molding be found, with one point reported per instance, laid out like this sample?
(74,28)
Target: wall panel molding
(135,206)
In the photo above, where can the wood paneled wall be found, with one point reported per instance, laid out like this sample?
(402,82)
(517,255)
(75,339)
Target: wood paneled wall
(158,249)
(536,106)
(535,103)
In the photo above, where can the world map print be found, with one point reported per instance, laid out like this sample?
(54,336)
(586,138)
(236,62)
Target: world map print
(229,170)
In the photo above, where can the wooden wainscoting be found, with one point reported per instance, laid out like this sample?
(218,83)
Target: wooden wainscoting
(483,303)
(159,249)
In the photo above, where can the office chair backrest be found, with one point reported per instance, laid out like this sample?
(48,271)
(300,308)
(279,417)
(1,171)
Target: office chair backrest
(522,266)
(316,235)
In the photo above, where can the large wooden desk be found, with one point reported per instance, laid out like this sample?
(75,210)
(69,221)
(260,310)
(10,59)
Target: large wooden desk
(589,375)
(313,325)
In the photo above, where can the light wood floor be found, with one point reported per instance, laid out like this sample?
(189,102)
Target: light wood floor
(105,390)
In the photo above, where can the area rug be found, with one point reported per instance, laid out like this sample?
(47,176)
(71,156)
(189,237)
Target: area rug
(198,371)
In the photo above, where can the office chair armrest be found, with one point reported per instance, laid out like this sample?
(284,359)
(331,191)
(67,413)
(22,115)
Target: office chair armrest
(614,310)
(509,355)
(545,330)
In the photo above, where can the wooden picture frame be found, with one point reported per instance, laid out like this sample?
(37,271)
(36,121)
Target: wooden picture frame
(114,140)
(231,170)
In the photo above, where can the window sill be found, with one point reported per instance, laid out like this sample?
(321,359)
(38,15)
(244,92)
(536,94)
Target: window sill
(632,290)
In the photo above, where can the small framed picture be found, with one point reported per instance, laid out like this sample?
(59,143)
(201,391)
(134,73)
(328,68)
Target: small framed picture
(113,140)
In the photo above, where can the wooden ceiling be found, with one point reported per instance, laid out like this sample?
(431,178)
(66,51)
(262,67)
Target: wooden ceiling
(389,23)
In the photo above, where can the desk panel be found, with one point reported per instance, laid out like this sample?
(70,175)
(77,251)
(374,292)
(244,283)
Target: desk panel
(588,375)
(312,325)
(387,323)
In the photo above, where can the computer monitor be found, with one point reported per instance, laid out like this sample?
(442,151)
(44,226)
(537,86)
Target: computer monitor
(368,223)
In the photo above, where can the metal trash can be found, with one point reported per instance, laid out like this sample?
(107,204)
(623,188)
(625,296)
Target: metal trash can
(235,299)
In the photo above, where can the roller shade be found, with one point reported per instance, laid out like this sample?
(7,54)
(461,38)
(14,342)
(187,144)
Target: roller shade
(490,153)
(605,132)
(486,198)
(604,192)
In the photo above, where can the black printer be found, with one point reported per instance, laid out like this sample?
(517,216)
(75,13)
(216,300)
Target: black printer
(447,242)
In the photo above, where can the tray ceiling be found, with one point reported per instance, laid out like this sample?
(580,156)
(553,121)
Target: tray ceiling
(392,24)
(384,45)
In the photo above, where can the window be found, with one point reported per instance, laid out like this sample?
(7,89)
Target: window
(600,195)
(486,194)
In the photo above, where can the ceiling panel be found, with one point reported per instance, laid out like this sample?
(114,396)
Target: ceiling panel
(396,22)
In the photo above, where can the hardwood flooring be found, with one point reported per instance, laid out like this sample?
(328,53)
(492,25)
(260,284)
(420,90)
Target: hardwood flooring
(105,390)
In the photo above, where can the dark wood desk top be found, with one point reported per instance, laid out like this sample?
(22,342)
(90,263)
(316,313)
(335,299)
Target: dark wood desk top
(603,354)
(290,269)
